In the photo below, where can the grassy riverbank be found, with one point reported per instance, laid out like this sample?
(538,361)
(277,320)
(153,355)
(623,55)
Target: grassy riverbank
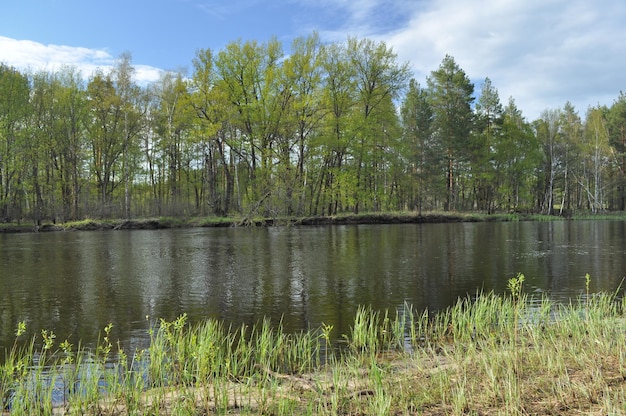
(489,355)
(238,221)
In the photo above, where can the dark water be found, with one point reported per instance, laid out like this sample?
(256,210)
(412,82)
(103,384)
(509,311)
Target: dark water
(75,283)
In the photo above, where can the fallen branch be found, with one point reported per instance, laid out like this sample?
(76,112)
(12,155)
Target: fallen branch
(247,220)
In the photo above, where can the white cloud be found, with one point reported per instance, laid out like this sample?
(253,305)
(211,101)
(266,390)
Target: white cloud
(33,56)
(365,18)
(145,74)
(541,52)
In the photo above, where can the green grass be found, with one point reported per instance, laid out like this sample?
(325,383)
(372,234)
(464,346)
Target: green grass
(214,221)
(487,354)
(89,223)
(545,217)
(619,216)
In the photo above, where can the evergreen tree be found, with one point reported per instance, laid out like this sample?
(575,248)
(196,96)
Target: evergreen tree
(488,129)
(451,97)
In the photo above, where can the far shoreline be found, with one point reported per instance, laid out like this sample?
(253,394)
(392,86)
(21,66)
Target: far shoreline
(91,224)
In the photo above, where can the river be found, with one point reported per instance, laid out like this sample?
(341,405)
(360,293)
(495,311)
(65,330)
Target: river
(75,283)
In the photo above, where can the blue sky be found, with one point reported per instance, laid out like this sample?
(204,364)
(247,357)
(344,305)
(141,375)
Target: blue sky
(541,52)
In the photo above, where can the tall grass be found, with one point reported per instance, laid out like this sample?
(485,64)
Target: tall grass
(485,354)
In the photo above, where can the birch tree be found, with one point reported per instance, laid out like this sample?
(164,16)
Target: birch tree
(597,153)
(548,129)
(133,112)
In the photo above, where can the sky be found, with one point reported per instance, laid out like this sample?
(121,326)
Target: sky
(542,53)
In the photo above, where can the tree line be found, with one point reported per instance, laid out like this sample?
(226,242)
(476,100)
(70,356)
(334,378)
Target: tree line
(328,128)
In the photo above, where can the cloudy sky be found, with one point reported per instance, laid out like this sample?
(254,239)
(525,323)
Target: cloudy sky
(540,52)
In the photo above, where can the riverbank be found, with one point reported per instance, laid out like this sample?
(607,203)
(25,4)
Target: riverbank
(488,355)
(238,221)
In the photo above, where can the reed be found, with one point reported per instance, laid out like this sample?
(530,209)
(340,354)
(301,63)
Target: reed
(488,353)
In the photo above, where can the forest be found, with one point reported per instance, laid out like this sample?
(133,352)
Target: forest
(325,129)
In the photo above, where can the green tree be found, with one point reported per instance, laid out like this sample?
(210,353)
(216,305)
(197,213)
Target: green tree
(14,110)
(421,154)
(172,119)
(302,86)
(517,155)
(571,133)
(248,75)
(43,127)
(379,79)
(69,149)
(105,137)
(217,136)
(56,149)
(616,125)
(488,129)
(117,109)
(597,154)
(133,109)
(451,97)
(548,128)
(333,182)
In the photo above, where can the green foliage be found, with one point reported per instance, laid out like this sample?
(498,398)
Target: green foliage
(517,155)
(330,128)
(14,113)
(488,130)
(515,285)
(417,147)
(451,98)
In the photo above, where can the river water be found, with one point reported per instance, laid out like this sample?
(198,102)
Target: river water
(75,283)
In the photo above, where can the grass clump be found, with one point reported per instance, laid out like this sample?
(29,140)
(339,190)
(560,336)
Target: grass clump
(487,354)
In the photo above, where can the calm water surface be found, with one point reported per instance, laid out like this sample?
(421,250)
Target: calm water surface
(75,283)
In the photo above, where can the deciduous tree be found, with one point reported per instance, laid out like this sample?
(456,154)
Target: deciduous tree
(517,156)
(548,129)
(379,79)
(616,125)
(421,156)
(14,110)
(598,152)
(248,74)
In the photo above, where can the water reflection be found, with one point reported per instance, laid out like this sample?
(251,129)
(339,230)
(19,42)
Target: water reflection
(76,283)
